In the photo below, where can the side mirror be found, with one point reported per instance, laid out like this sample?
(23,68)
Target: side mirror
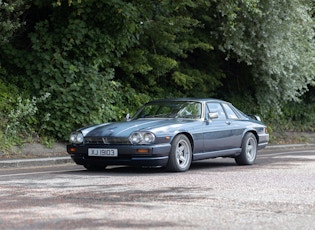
(127,118)
(214,115)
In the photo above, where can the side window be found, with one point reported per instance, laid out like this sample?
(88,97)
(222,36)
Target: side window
(216,108)
(229,112)
(191,110)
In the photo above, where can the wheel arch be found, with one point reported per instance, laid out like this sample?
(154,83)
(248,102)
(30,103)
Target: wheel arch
(248,152)
(189,136)
(253,132)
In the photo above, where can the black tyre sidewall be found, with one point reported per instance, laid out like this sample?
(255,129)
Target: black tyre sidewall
(173,165)
(242,158)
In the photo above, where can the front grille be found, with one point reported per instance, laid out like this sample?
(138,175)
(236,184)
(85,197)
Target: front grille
(106,140)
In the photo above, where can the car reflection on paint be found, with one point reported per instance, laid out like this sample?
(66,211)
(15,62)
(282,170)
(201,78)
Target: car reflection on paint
(171,133)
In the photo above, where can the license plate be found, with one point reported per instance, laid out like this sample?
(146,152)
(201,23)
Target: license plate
(103,152)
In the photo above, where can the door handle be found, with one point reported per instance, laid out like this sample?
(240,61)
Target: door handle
(228,122)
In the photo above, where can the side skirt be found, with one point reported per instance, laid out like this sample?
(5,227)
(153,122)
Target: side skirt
(214,154)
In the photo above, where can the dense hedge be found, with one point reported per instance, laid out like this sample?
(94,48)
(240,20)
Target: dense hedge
(65,64)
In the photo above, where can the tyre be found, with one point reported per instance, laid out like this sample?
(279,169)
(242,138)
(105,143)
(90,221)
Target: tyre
(181,154)
(92,167)
(249,150)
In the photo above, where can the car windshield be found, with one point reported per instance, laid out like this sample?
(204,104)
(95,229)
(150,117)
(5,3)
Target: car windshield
(170,109)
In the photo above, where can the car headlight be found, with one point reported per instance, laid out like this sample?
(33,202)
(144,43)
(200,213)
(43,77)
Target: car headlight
(142,138)
(76,138)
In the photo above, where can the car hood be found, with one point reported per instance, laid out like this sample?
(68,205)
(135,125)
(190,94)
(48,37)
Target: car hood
(124,129)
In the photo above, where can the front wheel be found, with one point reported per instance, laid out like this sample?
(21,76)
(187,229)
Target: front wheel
(180,155)
(249,150)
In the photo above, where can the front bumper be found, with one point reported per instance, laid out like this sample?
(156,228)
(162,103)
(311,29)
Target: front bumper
(136,155)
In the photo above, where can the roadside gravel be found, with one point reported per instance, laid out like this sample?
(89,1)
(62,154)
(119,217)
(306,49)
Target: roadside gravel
(35,154)
(35,150)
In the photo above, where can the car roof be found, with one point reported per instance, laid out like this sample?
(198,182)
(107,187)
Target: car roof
(188,99)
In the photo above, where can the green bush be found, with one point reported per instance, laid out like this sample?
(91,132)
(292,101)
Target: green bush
(293,117)
(73,58)
(20,117)
(24,119)
(296,117)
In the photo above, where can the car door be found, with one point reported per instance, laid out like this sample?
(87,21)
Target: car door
(235,125)
(216,131)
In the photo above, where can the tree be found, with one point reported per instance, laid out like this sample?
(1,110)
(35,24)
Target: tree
(275,39)
(175,54)
(100,59)
(71,53)
(10,20)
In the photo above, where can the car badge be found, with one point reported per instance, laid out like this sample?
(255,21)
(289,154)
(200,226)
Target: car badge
(105,141)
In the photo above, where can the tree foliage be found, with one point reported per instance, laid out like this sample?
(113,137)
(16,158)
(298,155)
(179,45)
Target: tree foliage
(101,59)
(174,54)
(10,18)
(71,54)
(276,39)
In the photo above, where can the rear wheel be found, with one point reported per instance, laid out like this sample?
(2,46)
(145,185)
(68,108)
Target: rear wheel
(249,150)
(180,155)
(92,167)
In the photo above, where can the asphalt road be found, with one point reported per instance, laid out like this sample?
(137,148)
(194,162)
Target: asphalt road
(278,192)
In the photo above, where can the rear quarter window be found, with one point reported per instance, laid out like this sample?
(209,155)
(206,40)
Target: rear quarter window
(230,112)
